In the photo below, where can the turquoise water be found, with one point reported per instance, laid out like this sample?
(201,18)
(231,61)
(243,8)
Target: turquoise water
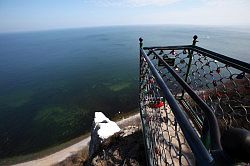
(52,82)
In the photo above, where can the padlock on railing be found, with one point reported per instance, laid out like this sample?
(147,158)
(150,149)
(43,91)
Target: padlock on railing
(169,60)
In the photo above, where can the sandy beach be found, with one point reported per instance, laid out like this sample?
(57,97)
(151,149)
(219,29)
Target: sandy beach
(74,149)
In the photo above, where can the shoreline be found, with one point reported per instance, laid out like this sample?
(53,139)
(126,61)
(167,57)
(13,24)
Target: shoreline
(67,152)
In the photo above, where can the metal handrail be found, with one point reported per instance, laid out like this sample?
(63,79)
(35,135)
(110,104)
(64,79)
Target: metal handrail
(202,155)
(244,66)
(213,123)
(220,77)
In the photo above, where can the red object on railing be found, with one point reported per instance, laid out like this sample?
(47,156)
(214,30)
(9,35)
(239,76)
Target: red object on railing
(157,104)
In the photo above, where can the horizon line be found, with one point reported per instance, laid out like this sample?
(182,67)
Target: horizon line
(128,25)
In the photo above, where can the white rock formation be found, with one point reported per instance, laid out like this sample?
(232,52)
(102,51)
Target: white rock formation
(106,127)
(102,129)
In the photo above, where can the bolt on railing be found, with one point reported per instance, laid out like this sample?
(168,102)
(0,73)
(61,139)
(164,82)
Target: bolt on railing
(188,97)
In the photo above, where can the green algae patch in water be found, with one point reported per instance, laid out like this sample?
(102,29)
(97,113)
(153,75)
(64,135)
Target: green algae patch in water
(62,122)
(17,99)
(58,116)
(119,87)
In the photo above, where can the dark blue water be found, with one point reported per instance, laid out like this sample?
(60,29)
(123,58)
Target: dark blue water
(52,82)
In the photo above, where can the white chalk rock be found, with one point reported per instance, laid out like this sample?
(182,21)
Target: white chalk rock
(102,129)
(106,127)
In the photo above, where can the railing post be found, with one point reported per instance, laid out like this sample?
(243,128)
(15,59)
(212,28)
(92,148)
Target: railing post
(190,55)
(195,40)
(141,44)
(141,115)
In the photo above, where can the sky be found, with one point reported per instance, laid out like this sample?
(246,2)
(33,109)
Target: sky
(32,15)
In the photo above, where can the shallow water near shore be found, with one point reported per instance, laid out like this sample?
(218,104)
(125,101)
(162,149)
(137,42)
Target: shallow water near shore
(52,82)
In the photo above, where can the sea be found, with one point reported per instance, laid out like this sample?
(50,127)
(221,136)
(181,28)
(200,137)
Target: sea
(52,82)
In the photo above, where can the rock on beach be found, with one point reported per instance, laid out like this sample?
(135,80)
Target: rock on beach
(101,130)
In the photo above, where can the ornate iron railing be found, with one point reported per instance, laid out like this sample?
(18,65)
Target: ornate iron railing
(188,97)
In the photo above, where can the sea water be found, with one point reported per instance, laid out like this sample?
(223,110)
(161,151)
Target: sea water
(52,82)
